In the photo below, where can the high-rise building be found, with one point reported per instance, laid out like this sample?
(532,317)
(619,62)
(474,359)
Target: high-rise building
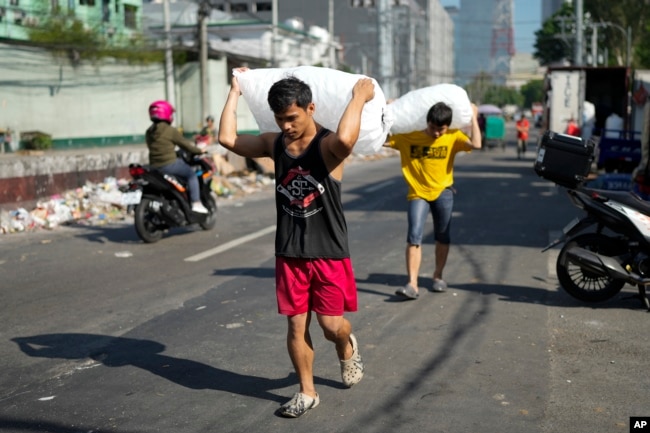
(484,40)
(413,38)
(549,7)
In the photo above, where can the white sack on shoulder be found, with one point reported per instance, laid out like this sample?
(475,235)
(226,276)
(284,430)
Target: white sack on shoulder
(331,91)
(410,110)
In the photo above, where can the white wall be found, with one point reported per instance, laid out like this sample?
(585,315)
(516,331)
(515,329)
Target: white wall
(40,92)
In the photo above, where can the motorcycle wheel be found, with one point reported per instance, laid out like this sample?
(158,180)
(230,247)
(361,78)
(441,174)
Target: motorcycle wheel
(147,223)
(585,285)
(211,219)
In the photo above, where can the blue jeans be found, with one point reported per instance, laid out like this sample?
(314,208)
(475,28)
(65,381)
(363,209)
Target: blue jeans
(181,169)
(440,208)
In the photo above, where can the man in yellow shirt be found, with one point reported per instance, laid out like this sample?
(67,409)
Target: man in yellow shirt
(427,158)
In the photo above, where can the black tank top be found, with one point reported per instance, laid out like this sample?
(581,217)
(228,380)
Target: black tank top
(310,220)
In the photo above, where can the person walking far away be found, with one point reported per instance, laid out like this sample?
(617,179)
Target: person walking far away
(572,127)
(523,126)
(161,140)
(427,159)
(312,266)
(208,134)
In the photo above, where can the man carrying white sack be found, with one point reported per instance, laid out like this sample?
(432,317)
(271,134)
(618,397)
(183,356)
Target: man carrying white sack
(313,267)
(427,158)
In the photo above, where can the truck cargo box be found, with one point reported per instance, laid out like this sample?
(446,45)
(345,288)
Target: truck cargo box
(564,159)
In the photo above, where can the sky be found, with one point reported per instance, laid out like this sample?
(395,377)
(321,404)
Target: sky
(526,21)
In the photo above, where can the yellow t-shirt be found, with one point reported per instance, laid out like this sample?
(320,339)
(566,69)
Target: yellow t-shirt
(428,164)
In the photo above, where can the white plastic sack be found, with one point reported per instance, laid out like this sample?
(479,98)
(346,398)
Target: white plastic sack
(409,111)
(331,91)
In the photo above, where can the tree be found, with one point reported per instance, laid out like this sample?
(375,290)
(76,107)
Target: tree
(622,13)
(478,86)
(533,91)
(554,42)
(65,35)
(501,96)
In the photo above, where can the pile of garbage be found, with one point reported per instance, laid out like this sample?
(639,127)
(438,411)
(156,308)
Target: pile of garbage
(101,203)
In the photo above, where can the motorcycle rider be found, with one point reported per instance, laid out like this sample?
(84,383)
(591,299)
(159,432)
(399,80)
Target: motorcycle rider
(161,140)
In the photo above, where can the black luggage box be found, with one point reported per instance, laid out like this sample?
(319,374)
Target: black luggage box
(564,159)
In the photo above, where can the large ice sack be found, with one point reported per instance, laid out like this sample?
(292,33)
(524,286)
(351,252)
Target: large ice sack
(331,91)
(409,111)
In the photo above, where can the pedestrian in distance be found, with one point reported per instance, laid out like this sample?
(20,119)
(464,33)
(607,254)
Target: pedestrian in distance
(523,126)
(572,127)
(427,158)
(208,134)
(162,140)
(313,270)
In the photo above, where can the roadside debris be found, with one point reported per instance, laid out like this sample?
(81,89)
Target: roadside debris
(101,203)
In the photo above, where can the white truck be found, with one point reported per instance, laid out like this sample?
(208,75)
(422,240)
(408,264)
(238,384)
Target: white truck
(590,95)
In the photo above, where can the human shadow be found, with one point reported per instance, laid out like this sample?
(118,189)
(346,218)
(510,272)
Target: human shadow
(39,425)
(504,292)
(251,272)
(549,298)
(390,281)
(147,355)
(124,233)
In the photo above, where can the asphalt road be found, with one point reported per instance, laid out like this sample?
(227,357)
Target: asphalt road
(102,333)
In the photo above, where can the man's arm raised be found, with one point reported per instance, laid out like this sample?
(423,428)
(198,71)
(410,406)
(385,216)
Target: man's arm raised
(247,145)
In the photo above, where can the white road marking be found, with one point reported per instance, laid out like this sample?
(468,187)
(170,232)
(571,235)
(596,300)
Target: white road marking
(229,245)
(379,186)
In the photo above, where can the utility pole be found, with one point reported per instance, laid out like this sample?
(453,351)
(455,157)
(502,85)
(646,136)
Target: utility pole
(274,33)
(577,58)
(330,29)
(203,14)
(385,46)
(169,61)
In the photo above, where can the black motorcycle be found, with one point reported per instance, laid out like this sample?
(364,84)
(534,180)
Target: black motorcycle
(163,201)
(610,245)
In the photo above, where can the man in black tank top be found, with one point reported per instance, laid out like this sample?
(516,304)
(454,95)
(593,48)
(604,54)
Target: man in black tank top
(313,267)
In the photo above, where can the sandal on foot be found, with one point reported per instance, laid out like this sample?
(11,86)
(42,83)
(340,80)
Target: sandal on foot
(352,369)
(407,291)
(298,405)
(438,286)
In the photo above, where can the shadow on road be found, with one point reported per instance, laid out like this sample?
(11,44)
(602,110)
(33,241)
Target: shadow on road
(146,354)
(46,426)
(251,272)
(508,293)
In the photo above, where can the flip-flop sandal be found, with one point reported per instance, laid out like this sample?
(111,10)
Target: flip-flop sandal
(407,291)
(439,286)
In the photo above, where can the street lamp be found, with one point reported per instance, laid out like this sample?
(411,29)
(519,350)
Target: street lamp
(628,36)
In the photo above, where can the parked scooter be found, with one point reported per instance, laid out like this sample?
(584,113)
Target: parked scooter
(610,245)
(165,202)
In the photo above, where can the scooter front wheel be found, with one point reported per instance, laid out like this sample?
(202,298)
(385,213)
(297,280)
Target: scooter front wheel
(211,219)
(147,221)
(585,285)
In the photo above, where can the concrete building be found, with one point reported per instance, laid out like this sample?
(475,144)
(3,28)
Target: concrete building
(523,70)
(117,20)
(410,60)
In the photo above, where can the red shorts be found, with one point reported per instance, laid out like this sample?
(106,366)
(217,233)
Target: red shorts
(326,286)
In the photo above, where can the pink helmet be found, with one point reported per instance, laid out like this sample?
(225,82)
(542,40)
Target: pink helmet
(161,110)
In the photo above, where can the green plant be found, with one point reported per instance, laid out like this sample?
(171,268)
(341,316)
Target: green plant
(39,142)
